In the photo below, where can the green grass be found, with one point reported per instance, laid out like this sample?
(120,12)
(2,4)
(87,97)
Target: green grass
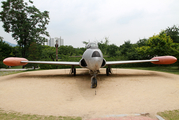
(168,69)
(170,115)
(18,116)
(3,73)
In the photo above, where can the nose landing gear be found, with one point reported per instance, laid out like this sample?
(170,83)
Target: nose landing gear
(93,82)
(93,78)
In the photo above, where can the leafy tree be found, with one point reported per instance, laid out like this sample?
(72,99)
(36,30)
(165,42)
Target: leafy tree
(48,53)
(173,32)
(85,42)
(104,46)
(26,23)
(34,53)
(5,51)
(142,42)
(126,47)
(157,45)
(16,51)
(113,50)
(66,50)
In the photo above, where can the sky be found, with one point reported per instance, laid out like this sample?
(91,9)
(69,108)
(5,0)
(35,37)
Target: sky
(76,21)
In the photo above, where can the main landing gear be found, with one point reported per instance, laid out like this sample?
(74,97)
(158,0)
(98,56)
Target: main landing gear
(73,70)
(108,70)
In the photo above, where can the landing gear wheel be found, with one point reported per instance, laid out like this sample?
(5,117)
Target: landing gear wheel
(93,82)
(107,71)
(74,71)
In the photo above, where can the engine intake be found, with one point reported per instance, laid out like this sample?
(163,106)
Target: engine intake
(83,63)
(104,63)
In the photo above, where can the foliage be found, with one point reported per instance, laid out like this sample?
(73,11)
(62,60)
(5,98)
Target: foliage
(26,23)
(16,51)
(173,32)
(66,50)
(142,42)
(104,46)
(170,115)
(158,45)
(5,51)
(48,53)
(34,51)
(18,116)
(34,54)
(113,50)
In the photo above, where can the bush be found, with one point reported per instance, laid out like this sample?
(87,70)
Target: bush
(2,65)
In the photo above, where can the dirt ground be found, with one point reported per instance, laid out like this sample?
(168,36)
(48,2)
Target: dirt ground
(55,92)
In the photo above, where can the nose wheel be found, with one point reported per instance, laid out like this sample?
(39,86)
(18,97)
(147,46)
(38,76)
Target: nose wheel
(93,82)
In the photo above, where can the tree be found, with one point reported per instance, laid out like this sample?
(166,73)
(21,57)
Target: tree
(26,23)
(112,50)
(66,50)
(173,32)
(158,45)
(142,42)
(34,53)
(5,51)
(48,53)
(104,46)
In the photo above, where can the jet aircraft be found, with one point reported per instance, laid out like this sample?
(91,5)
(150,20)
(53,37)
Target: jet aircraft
(93,60)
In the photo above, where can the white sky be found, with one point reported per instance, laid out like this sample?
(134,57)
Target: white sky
(120,20)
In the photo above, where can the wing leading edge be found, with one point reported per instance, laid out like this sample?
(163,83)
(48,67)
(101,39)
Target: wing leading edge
(52,62)
(129,62)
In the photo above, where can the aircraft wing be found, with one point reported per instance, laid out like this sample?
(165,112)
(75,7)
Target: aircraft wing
(52,62)
(154,60)
(16,61)
(129,61)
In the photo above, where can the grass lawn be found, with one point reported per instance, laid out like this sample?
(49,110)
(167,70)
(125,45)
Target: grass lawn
(2,73)
(169,69)
(170,115)
(18,116)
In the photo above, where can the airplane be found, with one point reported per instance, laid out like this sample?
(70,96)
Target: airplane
(93,60)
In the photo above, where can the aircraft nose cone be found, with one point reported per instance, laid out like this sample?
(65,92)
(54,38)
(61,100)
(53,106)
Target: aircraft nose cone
(98,63)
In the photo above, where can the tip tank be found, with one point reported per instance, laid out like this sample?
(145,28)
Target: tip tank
(164,60)
(14,61)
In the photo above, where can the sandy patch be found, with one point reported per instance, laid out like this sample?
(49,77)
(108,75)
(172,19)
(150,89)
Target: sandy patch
(55,92)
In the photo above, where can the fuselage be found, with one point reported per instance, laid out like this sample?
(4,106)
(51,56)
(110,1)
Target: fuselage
(92,58)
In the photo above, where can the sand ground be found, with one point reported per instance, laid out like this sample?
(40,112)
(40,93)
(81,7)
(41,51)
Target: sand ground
(55,92)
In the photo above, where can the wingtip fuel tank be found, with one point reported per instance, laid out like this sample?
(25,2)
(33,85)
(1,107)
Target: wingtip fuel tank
(164,60)
(14,61)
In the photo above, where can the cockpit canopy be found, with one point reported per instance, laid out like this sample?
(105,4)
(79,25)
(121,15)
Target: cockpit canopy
(91,46)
